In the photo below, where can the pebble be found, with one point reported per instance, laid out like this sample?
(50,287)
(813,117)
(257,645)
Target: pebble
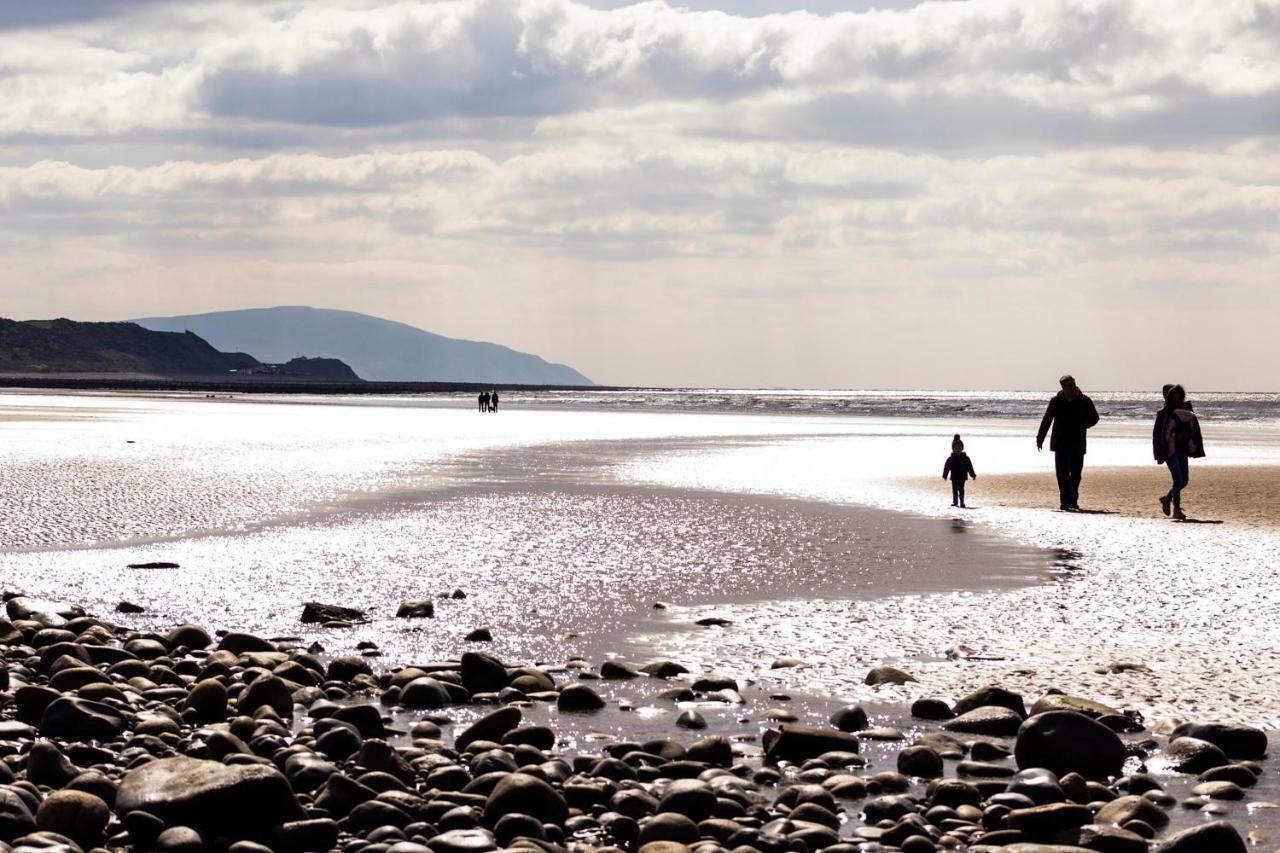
(175,727)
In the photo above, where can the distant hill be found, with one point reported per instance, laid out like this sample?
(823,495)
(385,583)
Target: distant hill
(67,346)
(377,349)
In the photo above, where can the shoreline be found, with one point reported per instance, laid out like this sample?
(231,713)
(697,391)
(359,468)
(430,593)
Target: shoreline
(469,754)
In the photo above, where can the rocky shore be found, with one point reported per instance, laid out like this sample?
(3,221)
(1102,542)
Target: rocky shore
(189,741)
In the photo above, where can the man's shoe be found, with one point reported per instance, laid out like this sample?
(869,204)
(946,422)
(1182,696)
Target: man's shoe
(1165,503)
(1179,515)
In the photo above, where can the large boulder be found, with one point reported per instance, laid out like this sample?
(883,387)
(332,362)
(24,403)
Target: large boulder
(268,691)
(799,743)
(579,697)
(52,614)
(482,673)
(1069,742)
(207,701)
(992,720)
(70,718)
(78,815)
(238,643)
(1132,807)
(221,799)
(425,692)
(520,793)
(314,612)
(15,816)
(1238,742)
(416,609)
(887,675)
(1192,755)
(991,696)
(1216,837)
(492,726)
(1063,702)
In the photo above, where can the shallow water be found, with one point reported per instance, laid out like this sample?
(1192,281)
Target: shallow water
(567,522)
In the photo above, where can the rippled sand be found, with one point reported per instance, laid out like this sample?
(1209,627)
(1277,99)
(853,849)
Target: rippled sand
(1231,494)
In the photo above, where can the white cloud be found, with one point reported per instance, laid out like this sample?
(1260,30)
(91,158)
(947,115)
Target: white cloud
(555,157)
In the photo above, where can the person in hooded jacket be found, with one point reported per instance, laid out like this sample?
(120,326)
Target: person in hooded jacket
(1072,414)
(958,468)
(1176,440)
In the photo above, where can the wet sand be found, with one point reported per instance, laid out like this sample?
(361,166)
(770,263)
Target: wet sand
(1245,495)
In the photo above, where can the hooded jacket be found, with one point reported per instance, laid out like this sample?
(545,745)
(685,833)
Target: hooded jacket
(959,467)
(1176,431)
(1071,419)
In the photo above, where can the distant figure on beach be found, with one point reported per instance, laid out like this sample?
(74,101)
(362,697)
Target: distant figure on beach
(493,401)
(959,467)
(1072,414)
(484,401)
(1176,441)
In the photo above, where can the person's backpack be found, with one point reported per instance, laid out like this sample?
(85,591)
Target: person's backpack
(1183,432)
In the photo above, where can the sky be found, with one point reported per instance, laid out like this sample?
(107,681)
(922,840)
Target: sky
(752,193)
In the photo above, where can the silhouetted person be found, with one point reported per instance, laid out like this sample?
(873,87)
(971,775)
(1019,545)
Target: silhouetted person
(1176,441)
(484,401)
(493,401)
(959,467)
(1072,414)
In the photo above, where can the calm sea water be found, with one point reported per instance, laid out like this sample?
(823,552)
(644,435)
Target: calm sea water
(1127,405)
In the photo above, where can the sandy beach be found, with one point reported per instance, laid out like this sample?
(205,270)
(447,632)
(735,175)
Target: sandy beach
(1230,494)
(792,554)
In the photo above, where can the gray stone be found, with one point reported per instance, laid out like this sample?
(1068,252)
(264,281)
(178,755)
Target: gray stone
(16,819)
(222,798)
(314,613)
(71,718)
(463,841)
(798,743)
(579,697)
(921,762)
(991,696)
(993,720)
(1217,837)
(424,692)
(238,643)
(1131,807)
(668,826)
(422,608)
(850,718)
(46,765)
(691,719)
(80,816)
(482,673)
(268,691)
(1063,702)
(208,701)
(1192,755)
(492,726)
(520,793)
(1239,742)
(1112,839)
(1069,742)
(888,675)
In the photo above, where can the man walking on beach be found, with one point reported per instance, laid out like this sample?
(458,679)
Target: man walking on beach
(1071,413)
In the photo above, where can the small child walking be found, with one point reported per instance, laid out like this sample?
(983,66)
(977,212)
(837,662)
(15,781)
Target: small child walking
(959,468)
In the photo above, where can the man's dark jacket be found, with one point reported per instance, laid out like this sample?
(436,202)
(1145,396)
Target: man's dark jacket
(1071,419)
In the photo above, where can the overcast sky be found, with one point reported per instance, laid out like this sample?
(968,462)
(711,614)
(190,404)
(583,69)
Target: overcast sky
(721,192)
